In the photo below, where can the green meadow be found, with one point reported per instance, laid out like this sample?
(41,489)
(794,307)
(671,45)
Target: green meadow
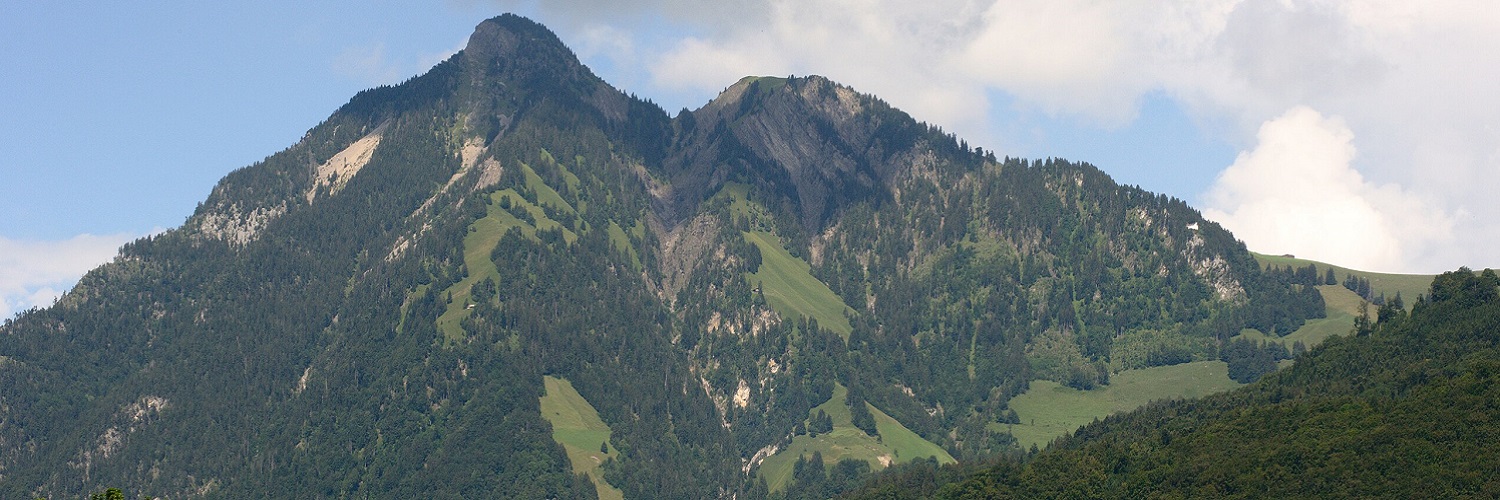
(793,291)
(1342,305)
(485,233)
(577,427)
(1048,410)
(896,444)
(786,280)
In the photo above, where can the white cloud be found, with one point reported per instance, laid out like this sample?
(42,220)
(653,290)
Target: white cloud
(34,273)
(1298,192)
(1061,55)
(696,64)
(905,53)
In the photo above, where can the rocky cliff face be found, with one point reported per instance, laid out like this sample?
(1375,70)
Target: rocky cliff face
(811,139)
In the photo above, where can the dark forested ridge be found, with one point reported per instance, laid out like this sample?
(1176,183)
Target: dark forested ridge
(1407,409)
(372,311)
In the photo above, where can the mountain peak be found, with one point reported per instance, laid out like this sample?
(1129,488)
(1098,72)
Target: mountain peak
(515,45)
(503,35)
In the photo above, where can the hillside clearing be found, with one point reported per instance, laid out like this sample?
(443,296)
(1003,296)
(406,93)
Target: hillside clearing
(1049,410)
(896,443)
(479,244)
(792,290)
(1409,285)
(577,427)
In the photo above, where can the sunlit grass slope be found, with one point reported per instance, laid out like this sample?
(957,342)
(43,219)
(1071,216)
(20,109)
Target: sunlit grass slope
(792,290)
(1048,409)
(480,243)
(1410,285)
(576,426)
(896,443)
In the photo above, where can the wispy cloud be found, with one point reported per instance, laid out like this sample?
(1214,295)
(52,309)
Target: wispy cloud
(368,64)
(37,272)
(372,65)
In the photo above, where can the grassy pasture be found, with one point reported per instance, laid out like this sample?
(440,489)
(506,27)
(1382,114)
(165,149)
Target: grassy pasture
(568,177)
(792,290)
(406,306)
(896,443)
(480,243)
(786,280)
(1048,409)
(576,426)
(1343,306)
(621,241)
(544,193)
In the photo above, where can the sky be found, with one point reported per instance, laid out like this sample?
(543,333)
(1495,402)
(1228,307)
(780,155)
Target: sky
(1364,133)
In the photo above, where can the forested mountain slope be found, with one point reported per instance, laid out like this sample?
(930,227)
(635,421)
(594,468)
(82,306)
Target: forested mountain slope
(1407,410)
(373,311)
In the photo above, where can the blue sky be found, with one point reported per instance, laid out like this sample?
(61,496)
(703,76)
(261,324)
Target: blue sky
(118,119)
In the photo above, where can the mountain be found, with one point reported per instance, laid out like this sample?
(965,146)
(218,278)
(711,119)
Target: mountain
(1405,410)
(795,284)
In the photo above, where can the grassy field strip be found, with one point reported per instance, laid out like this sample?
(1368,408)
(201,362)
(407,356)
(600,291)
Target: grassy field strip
(406,306)
(1343,306)
(1340,299)
(896,444)
(484,234)
(577,427)
(784,279)
(621,241)
(1410,285)
(1048,409)
(1311,334)
(545,193)
(543,223)
(792,290)
(904,444)
(568,177)
(739,201)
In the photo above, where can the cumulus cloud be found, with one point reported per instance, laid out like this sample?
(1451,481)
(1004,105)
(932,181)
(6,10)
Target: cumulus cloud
(34,273)
(1298,192)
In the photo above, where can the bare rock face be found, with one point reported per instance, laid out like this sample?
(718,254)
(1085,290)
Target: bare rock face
(808,139)
(336,172)
(683,250)
(235,224)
